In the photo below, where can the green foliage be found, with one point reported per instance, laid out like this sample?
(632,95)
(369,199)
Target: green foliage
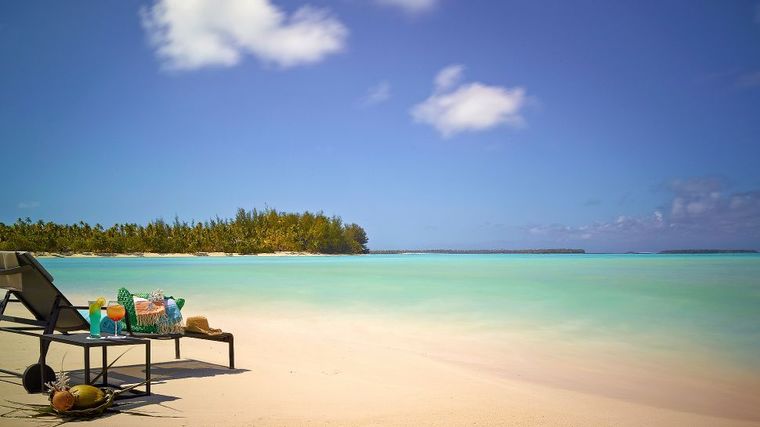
(249,232)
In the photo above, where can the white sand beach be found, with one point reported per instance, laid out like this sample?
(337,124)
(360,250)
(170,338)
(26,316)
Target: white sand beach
(305,368)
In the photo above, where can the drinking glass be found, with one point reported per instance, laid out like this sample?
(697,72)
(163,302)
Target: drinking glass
(115,312)
(94,309)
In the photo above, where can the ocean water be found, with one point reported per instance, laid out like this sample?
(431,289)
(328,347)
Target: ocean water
(695,304)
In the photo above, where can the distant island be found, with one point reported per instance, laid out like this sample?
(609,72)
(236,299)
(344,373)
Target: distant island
(250,232)
(552,251)
(478,251)
(708,251)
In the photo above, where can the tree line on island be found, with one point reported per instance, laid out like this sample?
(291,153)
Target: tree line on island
(250,232)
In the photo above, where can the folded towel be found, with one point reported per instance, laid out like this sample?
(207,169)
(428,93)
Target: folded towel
(11,282)
(107,326)
(172,311)
(148,312)
(171,321)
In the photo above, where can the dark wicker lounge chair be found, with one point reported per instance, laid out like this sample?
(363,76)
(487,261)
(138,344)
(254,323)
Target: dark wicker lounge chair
(50,309)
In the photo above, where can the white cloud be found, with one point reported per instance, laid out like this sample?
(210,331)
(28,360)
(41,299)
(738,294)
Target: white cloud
(455,107)
(701,213)
(28,205)
(410,6)
(448,77)
(190,34)
(381,92)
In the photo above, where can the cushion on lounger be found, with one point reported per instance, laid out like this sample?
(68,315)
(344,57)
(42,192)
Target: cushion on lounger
(12,282)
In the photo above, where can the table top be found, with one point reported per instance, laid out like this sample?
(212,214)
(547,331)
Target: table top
(84,340)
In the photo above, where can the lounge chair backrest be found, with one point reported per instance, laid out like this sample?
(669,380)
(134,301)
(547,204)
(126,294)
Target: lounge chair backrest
(38,294)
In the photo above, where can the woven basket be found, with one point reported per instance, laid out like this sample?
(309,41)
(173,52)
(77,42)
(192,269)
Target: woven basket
(89,412)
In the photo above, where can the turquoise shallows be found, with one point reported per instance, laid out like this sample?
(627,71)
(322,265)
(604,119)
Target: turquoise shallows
(681,304)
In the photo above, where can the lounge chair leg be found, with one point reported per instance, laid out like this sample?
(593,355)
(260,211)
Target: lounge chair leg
(147,367)
(44,345)
(176,348)
(5,302)
(87,365)
(105,365)
(231,341)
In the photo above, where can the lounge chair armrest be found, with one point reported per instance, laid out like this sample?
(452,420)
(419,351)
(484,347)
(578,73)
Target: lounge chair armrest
(15,270)
(75,307)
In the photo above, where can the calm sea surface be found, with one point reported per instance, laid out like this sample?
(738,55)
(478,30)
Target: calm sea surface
(677,303)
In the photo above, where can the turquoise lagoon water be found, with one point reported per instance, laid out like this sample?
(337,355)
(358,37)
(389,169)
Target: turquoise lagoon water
(687,303)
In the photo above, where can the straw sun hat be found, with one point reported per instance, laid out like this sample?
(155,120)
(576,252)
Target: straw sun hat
(200,324)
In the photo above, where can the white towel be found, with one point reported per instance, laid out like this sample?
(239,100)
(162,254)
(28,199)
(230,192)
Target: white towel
(11,282)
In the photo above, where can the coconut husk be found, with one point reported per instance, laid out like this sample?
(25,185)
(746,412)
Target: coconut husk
(36,411)
(94,411)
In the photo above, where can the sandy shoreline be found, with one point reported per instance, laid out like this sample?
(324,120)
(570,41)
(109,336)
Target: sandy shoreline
(301,367)
(171,255)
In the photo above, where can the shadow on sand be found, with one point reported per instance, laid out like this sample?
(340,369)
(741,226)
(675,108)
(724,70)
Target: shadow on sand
(160,373)
(123,376)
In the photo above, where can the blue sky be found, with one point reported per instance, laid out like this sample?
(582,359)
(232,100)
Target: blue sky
(609,126)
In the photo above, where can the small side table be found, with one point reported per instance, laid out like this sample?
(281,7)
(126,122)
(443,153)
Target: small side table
(82,340)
